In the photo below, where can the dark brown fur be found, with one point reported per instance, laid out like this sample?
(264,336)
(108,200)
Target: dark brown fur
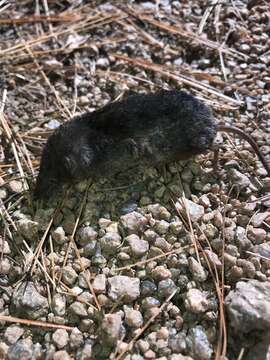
(148,129)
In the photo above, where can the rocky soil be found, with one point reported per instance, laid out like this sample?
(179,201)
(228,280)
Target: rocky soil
(152,264)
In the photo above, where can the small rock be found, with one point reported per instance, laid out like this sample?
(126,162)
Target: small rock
(60,338)
(123,288)
(194,210)
(59,304)
(59,236)
(196,301)
(238,178)
(198,343)
(133,318)
(4,247)
(3,350)
(166,287)
(159,212)
(27,302)
(199,273)
(28,228)
(53,124)
(110,242)
(79,309)
(134,222)
(86,353)
(69,275)
(161,273)
(86,234)
(138,246)
(76,338)
(162,227)
(99,284)
(61,355)
(256,235)
(103,63)
(111,329)
(259,218)
(22,349)
(15,186)
(13,333)
(213,259)
(262,249)
(249,304)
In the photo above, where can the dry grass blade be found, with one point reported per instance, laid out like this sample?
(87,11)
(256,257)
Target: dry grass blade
(206,16)
(78,26)
(27,322)
(4,5)
(147,324)
(8,133)
(35,19)
(143,262)
(179,78)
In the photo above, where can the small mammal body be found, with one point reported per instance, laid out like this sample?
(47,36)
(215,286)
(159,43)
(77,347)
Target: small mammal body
(150,129)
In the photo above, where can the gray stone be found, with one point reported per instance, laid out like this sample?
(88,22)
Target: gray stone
(123,288)
(59,304)
(76,338)
(111,329)
(159,212)
(134,222)
(262,249)
(28,228)
(258,219)
(13,333)
(59,236)
(138,246)
(22,349)
(133,318)
(79,309)
(238,178)
(27,302)
(86,234)
(69,275)
(194,210)
(86,353)
(60,338)
(166,287)
(198,344)
(248,306)
(199,273)
(110,242)
(196,301)
(99,284)
(61,355)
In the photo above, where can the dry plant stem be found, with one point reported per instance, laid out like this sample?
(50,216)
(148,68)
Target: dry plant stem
(47,276)
(8,134)
(147,324)
(72,242)
(179,78)
(241,354)
(33,19)
(40,245)
(34,323)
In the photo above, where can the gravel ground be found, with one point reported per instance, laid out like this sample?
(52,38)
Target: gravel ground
(152,264)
